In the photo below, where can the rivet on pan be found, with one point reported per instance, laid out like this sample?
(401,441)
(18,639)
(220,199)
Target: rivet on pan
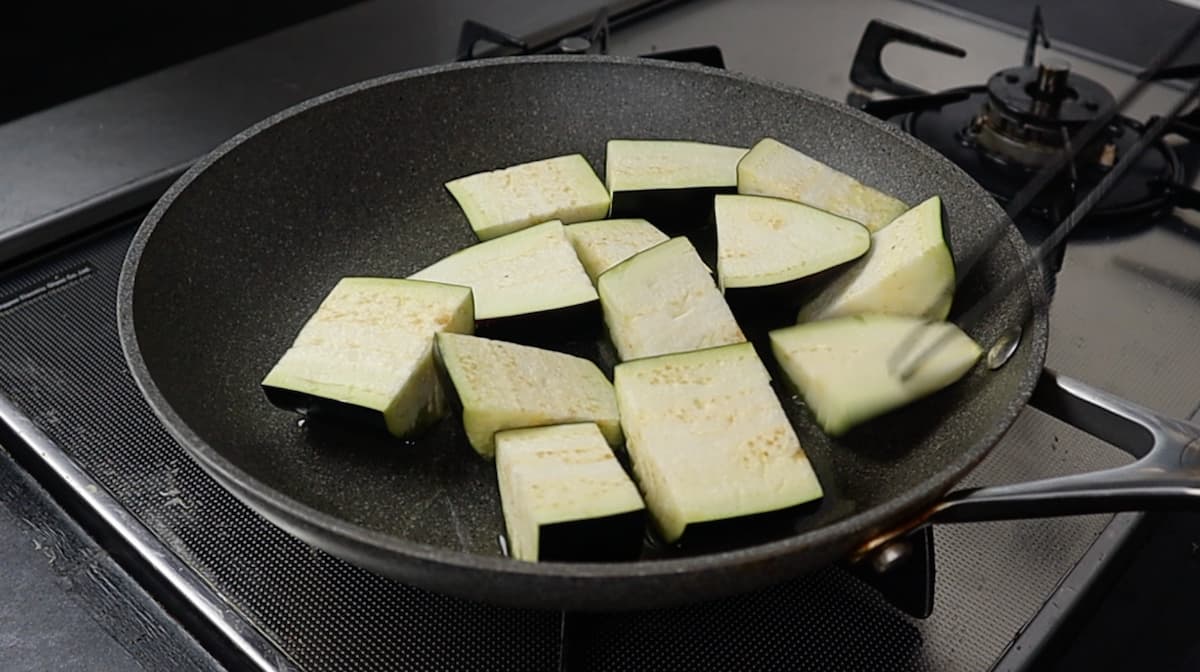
(1004,348)
(889,555)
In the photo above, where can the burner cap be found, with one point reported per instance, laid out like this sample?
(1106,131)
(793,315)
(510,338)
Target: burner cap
(1030,113)
(955,131)
(1047,95)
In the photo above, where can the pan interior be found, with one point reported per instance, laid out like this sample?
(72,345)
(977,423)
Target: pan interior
(353,186)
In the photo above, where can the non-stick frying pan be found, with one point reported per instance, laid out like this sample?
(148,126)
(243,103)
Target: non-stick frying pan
(239,252)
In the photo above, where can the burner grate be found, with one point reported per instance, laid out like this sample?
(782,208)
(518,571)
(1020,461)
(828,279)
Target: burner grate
(594,40)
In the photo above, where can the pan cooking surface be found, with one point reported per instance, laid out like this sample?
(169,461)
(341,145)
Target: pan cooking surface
(240,252)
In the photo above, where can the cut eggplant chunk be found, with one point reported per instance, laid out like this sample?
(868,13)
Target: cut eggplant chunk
(907,271)
(532,271)
(499,202)
(848,371)
(503,385)
(664,300)
(606,243)
(669,182)
(772,168)
(709,439)
(366,355)
(565,496)
(767,241)
(638,165)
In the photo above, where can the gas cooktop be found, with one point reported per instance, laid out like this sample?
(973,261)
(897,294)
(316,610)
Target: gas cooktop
(998,99)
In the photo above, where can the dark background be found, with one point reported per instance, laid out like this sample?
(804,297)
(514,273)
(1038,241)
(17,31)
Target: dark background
(57,51)
(52,53)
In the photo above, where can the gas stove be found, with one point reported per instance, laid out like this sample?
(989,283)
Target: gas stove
(982,596)
(1004,131)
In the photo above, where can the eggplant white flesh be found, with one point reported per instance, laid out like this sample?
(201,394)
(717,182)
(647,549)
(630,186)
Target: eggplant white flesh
(709,439)
(605,243)
(848,371)
(767,241)
(664,300)
(636,165)
(499,202)
(669,182)
(367,354)
(565,497)
(908,271)
(531,271)
(772,168)
(503,385)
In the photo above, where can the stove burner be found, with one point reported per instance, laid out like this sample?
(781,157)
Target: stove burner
(1003,154)
(1031,113)
(1003,132)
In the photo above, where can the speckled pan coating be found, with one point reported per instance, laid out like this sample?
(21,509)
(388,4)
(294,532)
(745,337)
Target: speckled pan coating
(240,250)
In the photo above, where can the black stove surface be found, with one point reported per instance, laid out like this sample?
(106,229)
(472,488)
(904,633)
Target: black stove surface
(65,603)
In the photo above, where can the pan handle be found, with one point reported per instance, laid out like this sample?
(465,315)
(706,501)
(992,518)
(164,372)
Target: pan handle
(1166,473)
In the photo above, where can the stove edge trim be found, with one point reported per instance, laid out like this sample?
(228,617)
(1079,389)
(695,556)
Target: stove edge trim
(223,631)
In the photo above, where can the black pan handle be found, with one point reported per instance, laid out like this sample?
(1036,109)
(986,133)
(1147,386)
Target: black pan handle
(1166,474)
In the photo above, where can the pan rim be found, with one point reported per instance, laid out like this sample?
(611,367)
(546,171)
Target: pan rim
(860,525)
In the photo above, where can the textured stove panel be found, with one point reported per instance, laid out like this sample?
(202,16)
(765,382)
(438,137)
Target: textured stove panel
(61,365)
(991,579)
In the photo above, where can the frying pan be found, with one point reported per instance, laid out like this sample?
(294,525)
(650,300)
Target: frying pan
(238,253)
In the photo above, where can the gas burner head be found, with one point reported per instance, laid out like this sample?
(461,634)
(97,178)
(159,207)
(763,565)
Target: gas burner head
(1031,113)
(1007,131)
(1003,132)
(1000,134)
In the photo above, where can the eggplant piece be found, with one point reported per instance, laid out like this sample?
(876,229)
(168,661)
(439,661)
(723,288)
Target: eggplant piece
(565,496)
(907,271)
(664,300)
(366,355)
(603,244)
(499,202)
(669,182)
(502,385)
(765,241)
(531,272)
(844,369)
(709,439)
(772,168)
